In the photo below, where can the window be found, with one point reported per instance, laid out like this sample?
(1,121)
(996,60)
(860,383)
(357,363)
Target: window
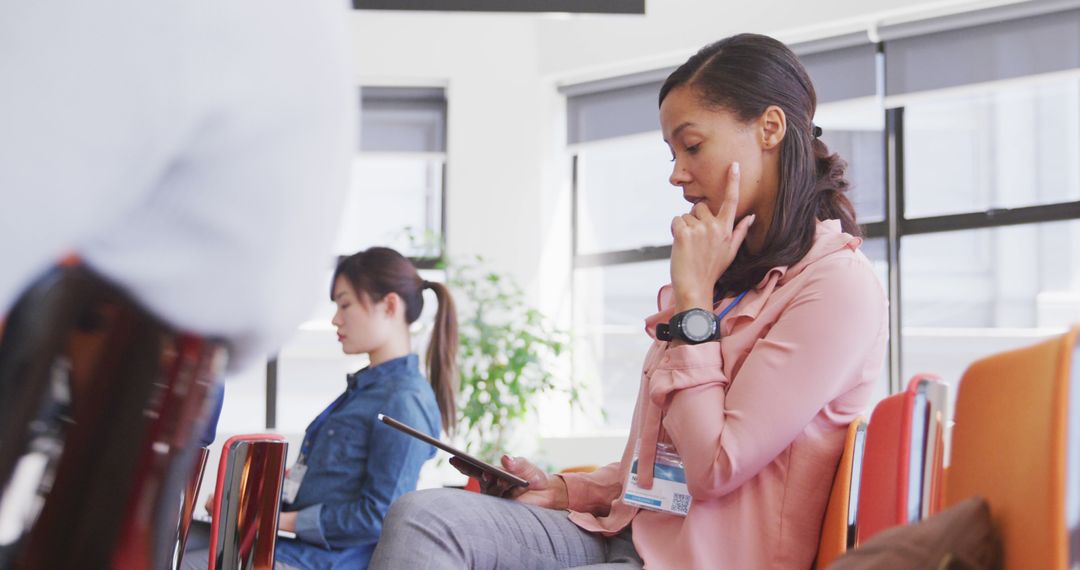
(395,201)
(971,293)
(1006,147)
(626,201)
(856,131)
(398,182)
(610,306)
(988,191)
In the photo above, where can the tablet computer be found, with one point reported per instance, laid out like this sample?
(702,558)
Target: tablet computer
(510,478)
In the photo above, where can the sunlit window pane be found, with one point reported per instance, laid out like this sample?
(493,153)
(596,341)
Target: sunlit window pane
(611,304)
(395,201)
(624,198)
(968,294)
(856,131)
(1002,148)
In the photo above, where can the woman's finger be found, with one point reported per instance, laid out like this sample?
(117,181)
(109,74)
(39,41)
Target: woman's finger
(701,211)
(741,230)
(677,225)
(525,469)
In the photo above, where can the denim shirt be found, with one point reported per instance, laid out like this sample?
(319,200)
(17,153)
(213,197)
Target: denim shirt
(357,466)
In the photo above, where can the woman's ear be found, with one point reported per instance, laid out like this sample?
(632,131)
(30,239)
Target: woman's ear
(773,124)
(393,305)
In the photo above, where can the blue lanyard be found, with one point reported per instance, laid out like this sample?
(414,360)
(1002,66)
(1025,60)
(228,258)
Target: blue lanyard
(732,305)
(313,430)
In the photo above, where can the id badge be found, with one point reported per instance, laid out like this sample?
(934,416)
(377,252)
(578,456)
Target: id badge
(291,486)
(669,493)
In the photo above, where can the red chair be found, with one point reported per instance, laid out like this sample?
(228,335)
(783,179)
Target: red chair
(247,500)
(901,470)
(100,407)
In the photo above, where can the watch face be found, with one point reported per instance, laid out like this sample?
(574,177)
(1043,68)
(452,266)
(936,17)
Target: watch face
(698,325)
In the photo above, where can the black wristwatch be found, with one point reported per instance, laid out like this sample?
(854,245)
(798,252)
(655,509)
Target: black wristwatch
(694,327)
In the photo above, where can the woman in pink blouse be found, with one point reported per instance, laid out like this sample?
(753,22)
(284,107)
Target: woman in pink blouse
(766,345)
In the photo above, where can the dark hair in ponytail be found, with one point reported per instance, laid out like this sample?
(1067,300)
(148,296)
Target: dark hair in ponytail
(380,271)
(745,74)
(831,187)
(442,354)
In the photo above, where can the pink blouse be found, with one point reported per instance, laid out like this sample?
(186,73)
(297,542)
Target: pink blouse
(759,418)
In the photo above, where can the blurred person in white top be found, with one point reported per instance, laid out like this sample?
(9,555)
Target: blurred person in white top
(195,153)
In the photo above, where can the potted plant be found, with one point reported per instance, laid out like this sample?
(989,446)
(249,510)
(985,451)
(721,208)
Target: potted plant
(506,357)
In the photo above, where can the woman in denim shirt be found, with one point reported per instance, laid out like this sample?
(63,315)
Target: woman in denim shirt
(352,467)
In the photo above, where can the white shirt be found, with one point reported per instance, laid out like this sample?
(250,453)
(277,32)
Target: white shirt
(197,153)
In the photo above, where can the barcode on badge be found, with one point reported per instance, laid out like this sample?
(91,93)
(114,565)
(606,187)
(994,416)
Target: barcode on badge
(680,503)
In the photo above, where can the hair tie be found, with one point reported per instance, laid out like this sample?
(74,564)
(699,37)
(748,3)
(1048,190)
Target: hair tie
(425,284)
(815,130)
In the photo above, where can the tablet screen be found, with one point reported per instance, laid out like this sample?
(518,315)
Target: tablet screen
(514,480)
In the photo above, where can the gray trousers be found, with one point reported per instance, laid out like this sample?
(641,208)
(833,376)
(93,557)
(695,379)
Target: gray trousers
(440,529)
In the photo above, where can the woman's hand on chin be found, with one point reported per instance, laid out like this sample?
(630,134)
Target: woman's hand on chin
(705,245)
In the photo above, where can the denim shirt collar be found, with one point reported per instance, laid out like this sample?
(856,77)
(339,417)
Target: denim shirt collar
(395,367)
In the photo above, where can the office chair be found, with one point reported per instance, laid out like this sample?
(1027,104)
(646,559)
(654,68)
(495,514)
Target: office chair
(100,407)
(247,501)
(901,463)
(1016,443)
(838,530)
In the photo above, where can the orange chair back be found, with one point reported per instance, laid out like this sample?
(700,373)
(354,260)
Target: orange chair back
(838,528)
(897,460)
(247,501)
(1011,445)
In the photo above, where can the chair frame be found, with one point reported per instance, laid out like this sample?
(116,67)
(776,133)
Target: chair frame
(240,538)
